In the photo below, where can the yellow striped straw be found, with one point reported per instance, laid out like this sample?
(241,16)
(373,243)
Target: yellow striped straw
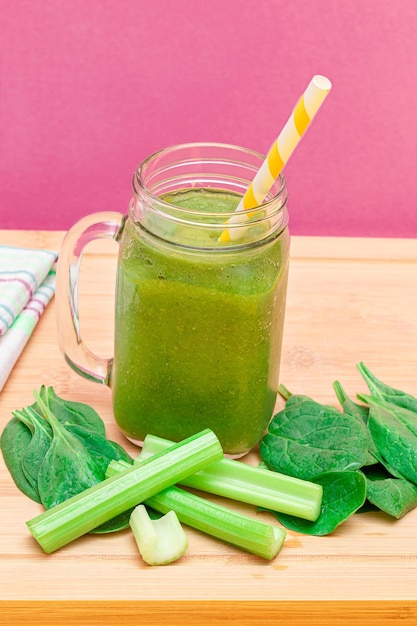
(280,152)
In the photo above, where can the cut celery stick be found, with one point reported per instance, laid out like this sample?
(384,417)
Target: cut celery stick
(251,535)
(253,485)
(260,538)
(254,536)
(115,467)
(160,541)
(87,510)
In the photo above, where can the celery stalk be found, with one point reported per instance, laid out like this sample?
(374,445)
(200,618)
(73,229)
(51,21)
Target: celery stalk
(245,532)
(87,510)
(115,467)
(160,541)
(253,485)
(260,538)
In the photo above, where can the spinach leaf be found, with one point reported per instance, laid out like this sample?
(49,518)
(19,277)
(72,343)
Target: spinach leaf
(77,458)
(73,413)
(343,494)
(14,441)
(382,391)
(359,412)
(384,463)
(307,439)
(392,495)
(39,445)
(68,467)
(119,453)
(394,431)
(101,448)
(120,522)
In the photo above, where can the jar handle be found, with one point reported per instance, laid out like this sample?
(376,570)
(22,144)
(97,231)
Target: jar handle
(108,225)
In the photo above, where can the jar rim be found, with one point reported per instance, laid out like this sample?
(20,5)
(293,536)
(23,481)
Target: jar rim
(139,186)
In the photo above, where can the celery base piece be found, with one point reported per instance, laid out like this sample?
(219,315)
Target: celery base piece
(160,541)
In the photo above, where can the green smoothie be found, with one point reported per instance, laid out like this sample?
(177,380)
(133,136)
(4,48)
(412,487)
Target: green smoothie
(198,333)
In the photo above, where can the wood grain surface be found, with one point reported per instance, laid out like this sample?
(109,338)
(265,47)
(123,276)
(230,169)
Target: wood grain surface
(349,300)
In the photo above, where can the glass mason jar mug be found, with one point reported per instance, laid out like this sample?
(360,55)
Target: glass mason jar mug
(200,298)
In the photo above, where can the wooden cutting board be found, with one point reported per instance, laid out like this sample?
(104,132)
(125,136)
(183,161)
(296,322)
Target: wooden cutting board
(349,300)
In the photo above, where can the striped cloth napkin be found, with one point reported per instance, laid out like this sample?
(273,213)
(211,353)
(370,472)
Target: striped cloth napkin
(27,284)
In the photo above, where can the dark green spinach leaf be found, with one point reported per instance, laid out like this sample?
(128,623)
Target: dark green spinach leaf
(394,432)
(307,439)
(15,438)
(359,412)
(395,496)
(343,494)
(73,413)
(68,467)
(101,448)
(38,446)
(120,522)
(382,391)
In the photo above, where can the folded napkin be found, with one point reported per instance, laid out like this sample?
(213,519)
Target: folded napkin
(27,284)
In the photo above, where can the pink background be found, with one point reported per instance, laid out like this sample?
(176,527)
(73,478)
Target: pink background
(88,88)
